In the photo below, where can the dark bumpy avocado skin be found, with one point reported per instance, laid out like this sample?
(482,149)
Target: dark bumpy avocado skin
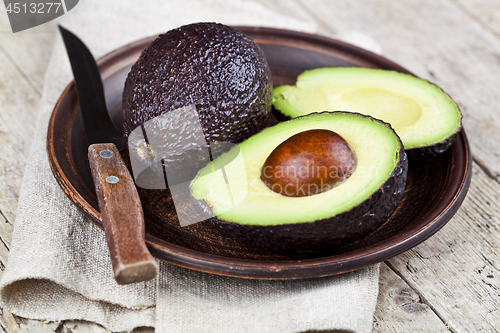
(217,68)
(327,235)
(423,155)
(280,116)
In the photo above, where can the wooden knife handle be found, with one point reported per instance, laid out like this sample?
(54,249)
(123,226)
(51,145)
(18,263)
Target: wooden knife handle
(122,215)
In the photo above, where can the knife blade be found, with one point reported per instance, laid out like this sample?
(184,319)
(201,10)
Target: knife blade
(119,202)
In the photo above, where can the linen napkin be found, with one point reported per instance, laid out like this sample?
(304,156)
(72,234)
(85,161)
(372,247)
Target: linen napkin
(59,266)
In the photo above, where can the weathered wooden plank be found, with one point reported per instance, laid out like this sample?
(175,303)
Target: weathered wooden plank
(287,8)
(21,47)
(401,309)
(78,326)
(18,103)
(3,322)
(23,60)
(438,41)
(5,237)
(487,12)
(38,326)
(5,232)
(4,25)
(457,270)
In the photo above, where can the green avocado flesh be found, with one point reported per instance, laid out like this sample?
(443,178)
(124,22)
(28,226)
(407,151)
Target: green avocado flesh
(232,186)
(420,112)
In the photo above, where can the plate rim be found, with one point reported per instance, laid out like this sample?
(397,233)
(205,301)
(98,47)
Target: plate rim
(272,269)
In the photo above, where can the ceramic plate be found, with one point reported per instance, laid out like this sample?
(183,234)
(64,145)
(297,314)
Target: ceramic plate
(433,194)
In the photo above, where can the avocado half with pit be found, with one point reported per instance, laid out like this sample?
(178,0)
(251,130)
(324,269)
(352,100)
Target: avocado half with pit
(426,119)
(248,208)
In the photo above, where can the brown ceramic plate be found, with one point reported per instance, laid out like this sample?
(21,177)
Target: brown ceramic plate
(433,194)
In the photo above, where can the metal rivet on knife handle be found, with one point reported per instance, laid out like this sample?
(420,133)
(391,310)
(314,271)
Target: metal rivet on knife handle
(106,154)
(112,179)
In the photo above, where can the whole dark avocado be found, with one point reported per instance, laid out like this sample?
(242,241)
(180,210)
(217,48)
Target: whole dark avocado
(215,67)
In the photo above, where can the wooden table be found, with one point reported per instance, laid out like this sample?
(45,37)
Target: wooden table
(451,282)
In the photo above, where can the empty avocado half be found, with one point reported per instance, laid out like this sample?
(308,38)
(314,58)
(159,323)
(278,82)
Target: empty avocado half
(371,165)
(426,119)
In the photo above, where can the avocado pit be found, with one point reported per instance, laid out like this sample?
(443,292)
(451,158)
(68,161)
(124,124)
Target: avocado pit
(308,163)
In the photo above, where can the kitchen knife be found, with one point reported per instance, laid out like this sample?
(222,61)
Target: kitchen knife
(119,202)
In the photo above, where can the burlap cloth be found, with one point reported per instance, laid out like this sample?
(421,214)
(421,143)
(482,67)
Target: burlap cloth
(59,266)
